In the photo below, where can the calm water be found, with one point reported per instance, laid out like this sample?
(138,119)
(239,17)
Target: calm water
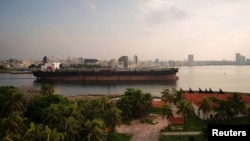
(228,78)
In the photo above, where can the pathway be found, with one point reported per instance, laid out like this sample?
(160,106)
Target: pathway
(144,131)
(149,132)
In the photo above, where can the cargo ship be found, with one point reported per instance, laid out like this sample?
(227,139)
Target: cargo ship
(54,73)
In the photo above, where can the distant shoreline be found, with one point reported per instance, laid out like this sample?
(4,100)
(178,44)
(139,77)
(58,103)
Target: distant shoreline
(16,71)
(111,96)
(20,72)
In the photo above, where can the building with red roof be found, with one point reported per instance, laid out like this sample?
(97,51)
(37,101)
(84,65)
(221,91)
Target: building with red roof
(196,98)
(157,104)
(176,120)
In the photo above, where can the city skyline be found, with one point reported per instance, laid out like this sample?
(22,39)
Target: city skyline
(190,58)
(151,29)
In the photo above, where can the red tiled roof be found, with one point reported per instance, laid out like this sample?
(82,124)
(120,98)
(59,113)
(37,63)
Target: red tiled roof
(157,104)
(176,120)
(196,98)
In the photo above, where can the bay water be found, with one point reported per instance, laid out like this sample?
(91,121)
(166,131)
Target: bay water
(228,78)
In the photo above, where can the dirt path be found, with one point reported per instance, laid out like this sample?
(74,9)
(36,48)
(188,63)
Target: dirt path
(144,131)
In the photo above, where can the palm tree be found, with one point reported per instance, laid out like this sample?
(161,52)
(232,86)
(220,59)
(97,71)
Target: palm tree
(36,107)
(56,136)
(34,132)
(50,135)
(17,102)
(14,100)
(6,138)
(12,126)
(71,128)
(167,96)
(31,133)
(205,107)
(134,103)
(95,130)
(222,110)
(185,108)
(39,132)
(101,104)
(167,112)
(147,98)
(129,92)
(237,104)
(138,103)
(83,104)
(84,108)
(178,96)
(47,89)
(51,116)
(72,110)
(125,105)
(113,118)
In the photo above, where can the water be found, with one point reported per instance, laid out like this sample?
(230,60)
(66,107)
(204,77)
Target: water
(228,78)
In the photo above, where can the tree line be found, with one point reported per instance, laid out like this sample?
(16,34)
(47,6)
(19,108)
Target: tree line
(53,117)
(40,115)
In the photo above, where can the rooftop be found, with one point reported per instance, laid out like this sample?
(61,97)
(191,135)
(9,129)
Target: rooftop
(196,98)
(176,120)
(157,104)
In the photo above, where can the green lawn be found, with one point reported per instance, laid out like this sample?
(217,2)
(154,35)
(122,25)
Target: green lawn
(182,138)
(193,124)
(119,137)
(196,124)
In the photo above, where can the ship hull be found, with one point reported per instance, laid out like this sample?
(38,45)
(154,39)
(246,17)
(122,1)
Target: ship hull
(107,75)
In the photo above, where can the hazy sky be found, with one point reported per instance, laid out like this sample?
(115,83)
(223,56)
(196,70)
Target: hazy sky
(106,29)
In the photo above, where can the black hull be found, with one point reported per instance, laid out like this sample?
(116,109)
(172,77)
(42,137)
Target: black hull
(169,74)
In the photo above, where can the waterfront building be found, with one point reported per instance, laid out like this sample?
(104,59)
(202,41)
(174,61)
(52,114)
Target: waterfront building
(157,61)
(196,98)
(239,59)
(123,62)
(120,63)
(190,59)
(135,59)
(90,61)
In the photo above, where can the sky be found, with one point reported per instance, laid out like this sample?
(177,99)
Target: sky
(107,29)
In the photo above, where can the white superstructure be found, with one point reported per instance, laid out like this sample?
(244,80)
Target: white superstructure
(50,66)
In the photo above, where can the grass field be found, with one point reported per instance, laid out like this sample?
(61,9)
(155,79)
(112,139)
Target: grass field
(196,124)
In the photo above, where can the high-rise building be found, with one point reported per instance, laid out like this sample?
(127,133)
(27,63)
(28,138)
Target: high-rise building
(190,59)
(123,61)
(239,59)
(135,59)
(157,61)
